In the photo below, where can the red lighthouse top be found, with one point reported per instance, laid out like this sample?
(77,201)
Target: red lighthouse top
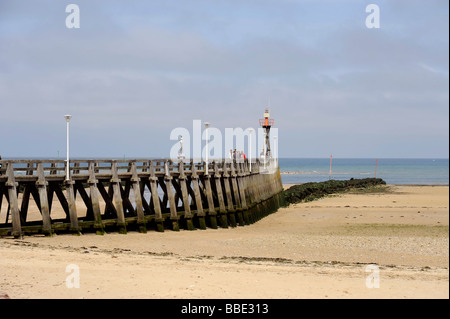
(266,122)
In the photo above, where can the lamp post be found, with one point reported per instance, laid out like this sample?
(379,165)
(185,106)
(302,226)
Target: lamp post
(207,146)
(250,149)
(68,117)
(265,155)
(275,140)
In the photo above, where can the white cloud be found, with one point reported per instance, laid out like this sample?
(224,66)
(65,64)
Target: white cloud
(136,72)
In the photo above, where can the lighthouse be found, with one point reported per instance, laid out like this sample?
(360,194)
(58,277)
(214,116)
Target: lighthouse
(266,123)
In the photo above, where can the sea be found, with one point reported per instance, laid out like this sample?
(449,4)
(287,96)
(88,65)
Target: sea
(396,171)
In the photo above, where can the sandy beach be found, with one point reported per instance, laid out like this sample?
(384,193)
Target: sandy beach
(321,249)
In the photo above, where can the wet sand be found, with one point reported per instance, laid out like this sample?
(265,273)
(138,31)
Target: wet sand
(318,249)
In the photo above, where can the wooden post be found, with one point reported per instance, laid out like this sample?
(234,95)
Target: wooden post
(237,198)
(172,205)
(185,197)
(155,198)
(250,189)
(25,202)
(226,182)
(13,204)
(137,198)
(222,210)
(259,191)
(242,186)
(93,194)
(198,198)
(70,191)
(43,198)
(117,198)
(211,210)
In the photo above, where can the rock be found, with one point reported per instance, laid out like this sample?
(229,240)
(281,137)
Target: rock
(312,191)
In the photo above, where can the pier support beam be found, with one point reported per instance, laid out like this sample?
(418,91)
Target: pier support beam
(117,199)
(229,197)
(43,199)
(198,197)
(13,204)
(211,210)
(219,193)
(155,199)
(93,194)
(237,198)
(70,194)
(138,199)
(172,205)
(185,197)
(242,196)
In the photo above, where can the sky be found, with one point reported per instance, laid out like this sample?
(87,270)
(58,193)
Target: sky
(136,70)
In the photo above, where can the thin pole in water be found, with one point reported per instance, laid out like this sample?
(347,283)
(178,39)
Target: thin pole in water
(331,160)
(376,163)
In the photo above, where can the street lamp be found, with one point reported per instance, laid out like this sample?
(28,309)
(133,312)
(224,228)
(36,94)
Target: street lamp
(68,117)
(250,148)
(275,140)
(265,153)
(207,146)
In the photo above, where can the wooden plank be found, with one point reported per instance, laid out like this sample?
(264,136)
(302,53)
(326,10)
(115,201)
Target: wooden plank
(71,192)
(117,199)
(43,198)
(50,197)
(170,194)
(171,197)
(110,210)
(86,199)
(219,193)
(13,203)
(211,209)
(226,184)
(190,190)
(241,186)
(197,196)
(127,206)
(138,198)
(24,205)
(148,206)
(35,194)
(165,199)
(156,204)
(177,192)
(62,200)
(94,199)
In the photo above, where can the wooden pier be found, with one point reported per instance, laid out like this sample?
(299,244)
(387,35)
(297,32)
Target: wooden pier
(139,195)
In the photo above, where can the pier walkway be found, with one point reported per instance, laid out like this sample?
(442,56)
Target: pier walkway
(138,194)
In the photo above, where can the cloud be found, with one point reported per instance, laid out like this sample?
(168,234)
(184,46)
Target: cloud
(134,71)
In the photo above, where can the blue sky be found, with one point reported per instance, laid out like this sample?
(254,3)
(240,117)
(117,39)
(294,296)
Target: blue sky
(135,70)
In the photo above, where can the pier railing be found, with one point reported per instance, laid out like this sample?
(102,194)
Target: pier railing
(134,194)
